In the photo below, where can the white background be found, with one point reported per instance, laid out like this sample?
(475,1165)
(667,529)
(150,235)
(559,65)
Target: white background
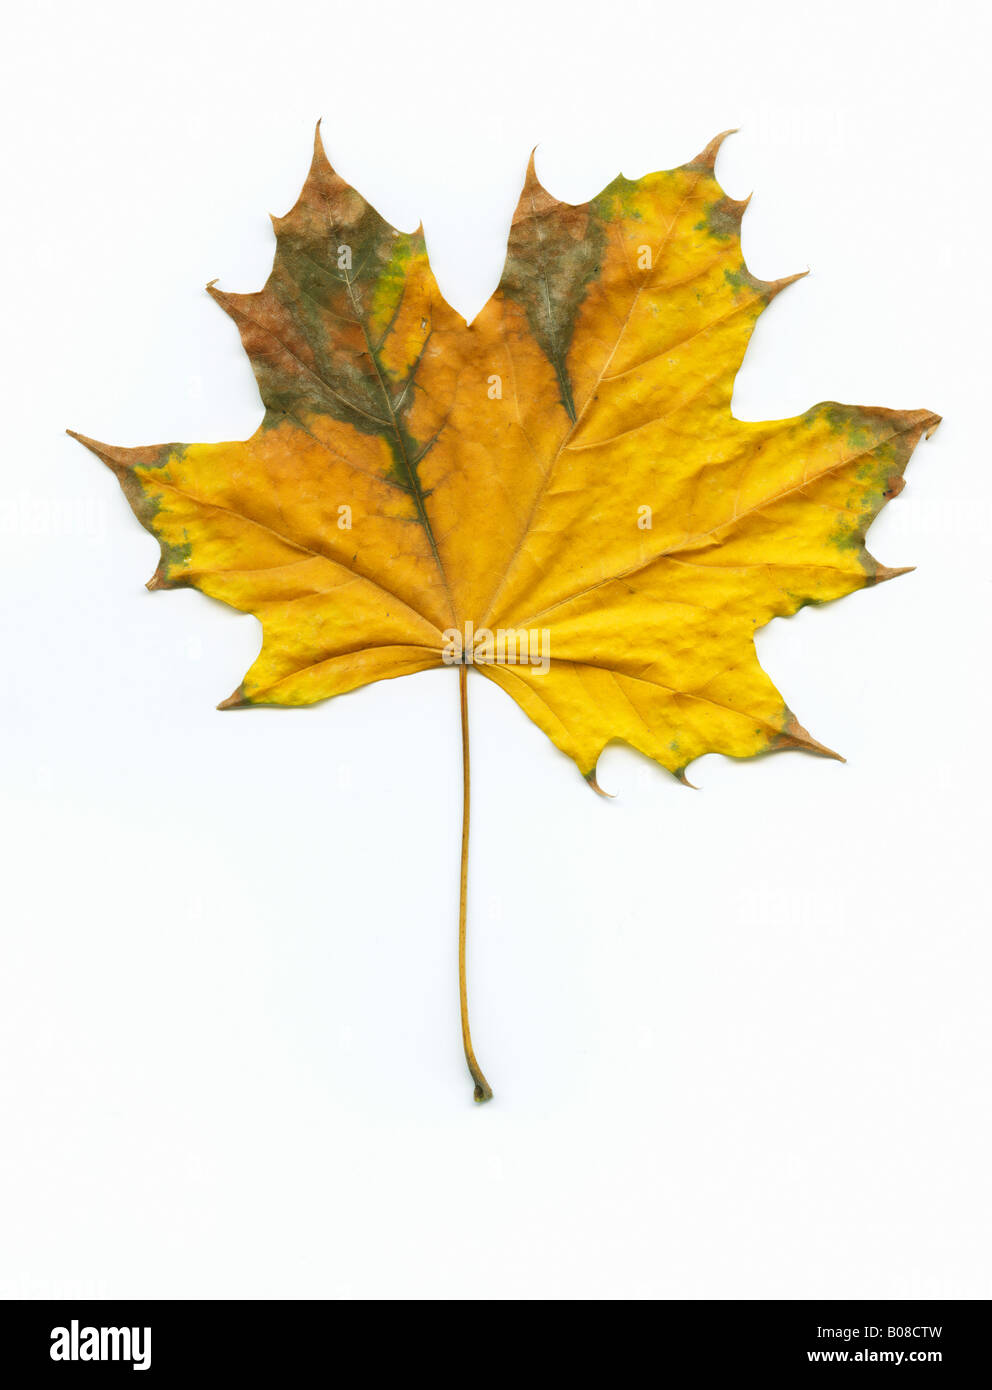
(739,1037)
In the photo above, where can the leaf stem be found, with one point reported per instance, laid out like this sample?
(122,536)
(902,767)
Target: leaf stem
(483,1091)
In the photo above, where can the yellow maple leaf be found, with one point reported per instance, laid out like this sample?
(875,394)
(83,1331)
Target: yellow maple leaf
(556,493)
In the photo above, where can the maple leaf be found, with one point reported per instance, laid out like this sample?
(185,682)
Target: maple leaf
(556,493)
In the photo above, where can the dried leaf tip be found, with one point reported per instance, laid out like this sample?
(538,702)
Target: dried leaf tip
(109,454)
(224,298)
(591,779)
(796,736)
(320,164)
(531,181)
(775,287)
(883,573)
(706,159)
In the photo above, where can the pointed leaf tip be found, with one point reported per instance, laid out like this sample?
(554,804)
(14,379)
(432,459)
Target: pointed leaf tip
(797,737)
(707,157)
(531,176)
(883,573)
(775,287)
(591,779)
(106,453)
(320,160)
